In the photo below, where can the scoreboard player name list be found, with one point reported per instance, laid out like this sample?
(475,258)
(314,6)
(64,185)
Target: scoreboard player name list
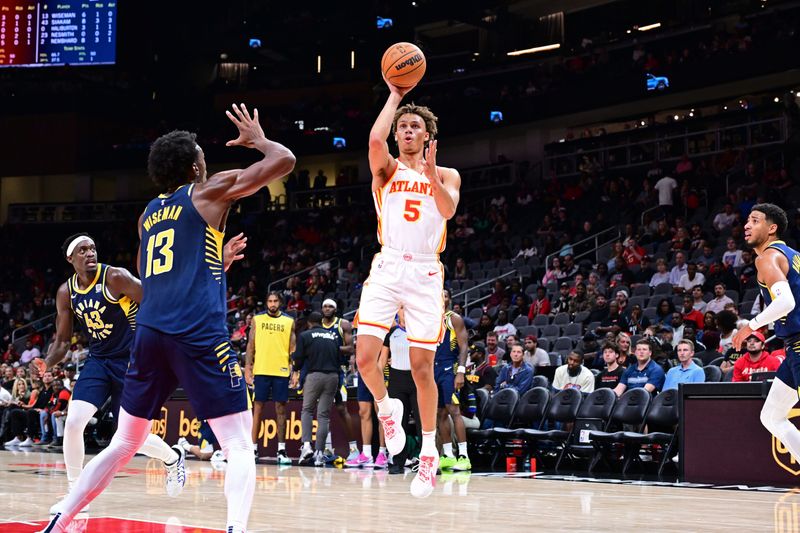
(57,33)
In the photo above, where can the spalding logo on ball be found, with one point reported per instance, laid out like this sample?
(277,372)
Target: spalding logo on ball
(403,64)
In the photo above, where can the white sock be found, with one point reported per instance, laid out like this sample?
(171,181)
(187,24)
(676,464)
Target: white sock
(382,450)
(367,450)
(233,434)
(187,447)
(384,406)
(428,443)
(353,445)
(447,448)
(78,416)
(158,449)
(462,449)
(329,441)
(281,446)
(131,433)
(255,446)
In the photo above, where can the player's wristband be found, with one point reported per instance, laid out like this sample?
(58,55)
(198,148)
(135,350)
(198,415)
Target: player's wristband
(461,369)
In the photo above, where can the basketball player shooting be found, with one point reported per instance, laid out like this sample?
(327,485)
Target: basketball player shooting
(181,337)
(778,268)
(413,198)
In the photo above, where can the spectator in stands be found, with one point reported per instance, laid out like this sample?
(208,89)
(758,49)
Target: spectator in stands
(621,297)
(526,249)
(497,295)
(485,326)
(633,253)
(574,375)
(646,373)
(732,258)
(614,322)
(504,328)
(492,349)
(580,302)
(599,310)
(30,353)
(350,275)
(664,311)
(609,377)
(569,268)
(661,275)
(480,373)
(8,378)
(679,269)
(720,299)
(69,376)
(561,303)
(711,352)
(620,275)
(697,301)
(666,189)
(756,359)
(540,305)
(460,272)
(554,273)
(677,328)
(296,303)
(534,355)
(687,371)
(517,375)
(690,314)
(645,273)
(617,254)
(707,257)
(725,219)
(747,270)
(691,279)
(726,322)
(57,410)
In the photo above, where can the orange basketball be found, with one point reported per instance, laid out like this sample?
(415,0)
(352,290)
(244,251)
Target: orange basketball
(403,64)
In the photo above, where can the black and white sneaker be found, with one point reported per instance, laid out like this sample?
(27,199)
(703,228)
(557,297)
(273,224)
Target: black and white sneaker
(306,456)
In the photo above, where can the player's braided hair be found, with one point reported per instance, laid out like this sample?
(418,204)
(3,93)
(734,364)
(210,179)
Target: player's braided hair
(171,158)
(423,112)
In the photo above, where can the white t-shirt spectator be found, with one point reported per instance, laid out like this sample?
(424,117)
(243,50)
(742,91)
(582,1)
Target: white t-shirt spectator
(505,330)
(584,381)
(29,355)
(723,220)
(538,358)
(665,186)
(688,284)
(659,278)
(718,304)
(732,258)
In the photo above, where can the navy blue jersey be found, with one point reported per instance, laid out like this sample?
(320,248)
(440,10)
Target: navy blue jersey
(109,323)
(182,271)
(789,325)
(447,351)
(336,327)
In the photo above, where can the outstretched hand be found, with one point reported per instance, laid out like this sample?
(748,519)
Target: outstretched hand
(250,130)
(741,337)
(429,163)
(233,248)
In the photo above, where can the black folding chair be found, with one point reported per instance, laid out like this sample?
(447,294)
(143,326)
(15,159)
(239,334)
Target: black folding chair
(662,415)
(630,410)
(593,415)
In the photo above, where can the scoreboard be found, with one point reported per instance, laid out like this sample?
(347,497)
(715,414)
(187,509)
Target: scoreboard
(57,32)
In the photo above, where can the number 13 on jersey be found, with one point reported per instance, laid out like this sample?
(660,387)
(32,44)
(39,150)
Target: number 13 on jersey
(159,253)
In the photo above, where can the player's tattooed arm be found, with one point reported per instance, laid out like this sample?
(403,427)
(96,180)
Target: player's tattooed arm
(61,341)
(250,356)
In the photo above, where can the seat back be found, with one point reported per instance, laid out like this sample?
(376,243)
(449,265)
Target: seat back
(501,407)
(564,405)
(540,381)
(531,408)
(541,320)
(598,404)
(482,395)
(561,319)
(551,330)
(663,412)
(713,373)
(631,407)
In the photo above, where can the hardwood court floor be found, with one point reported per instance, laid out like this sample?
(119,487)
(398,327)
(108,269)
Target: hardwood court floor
(332,500)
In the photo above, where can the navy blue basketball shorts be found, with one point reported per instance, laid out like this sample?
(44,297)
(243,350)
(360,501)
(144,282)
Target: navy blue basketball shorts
(210,375)
(789,371)
(363,394)
(101,378)
(275,388)
(445,383)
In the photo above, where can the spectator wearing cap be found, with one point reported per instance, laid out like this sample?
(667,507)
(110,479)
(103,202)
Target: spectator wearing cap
(534,355)
(717,304)
(561,303)
(691,279)
(599,310)
(687,371)
(679,269)
(622,301)
(69,376)
(574,375)
(663,339)
(540,304)
(589,346)
(644,374)
(755,360)
(479,372)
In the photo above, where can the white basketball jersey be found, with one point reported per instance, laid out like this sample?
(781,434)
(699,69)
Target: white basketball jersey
(408,219)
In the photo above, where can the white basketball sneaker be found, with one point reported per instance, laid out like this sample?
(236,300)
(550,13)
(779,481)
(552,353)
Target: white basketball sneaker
(422,485)
(393,428)
(176,473)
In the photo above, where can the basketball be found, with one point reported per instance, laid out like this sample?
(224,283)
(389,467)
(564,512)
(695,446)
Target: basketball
(403,64)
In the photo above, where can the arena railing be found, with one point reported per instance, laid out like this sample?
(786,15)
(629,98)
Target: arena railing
(334,262)
(476,289)
(670,148)
(599,240)
(39,325)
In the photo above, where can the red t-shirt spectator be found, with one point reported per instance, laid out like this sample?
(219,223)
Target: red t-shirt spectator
(695,316)
(633,255)
(779,354)
(296,305)
(539,307)
(744,367)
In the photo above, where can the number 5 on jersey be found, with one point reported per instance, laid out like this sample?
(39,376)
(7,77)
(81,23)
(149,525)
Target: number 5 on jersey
(160,243)
(411,212)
